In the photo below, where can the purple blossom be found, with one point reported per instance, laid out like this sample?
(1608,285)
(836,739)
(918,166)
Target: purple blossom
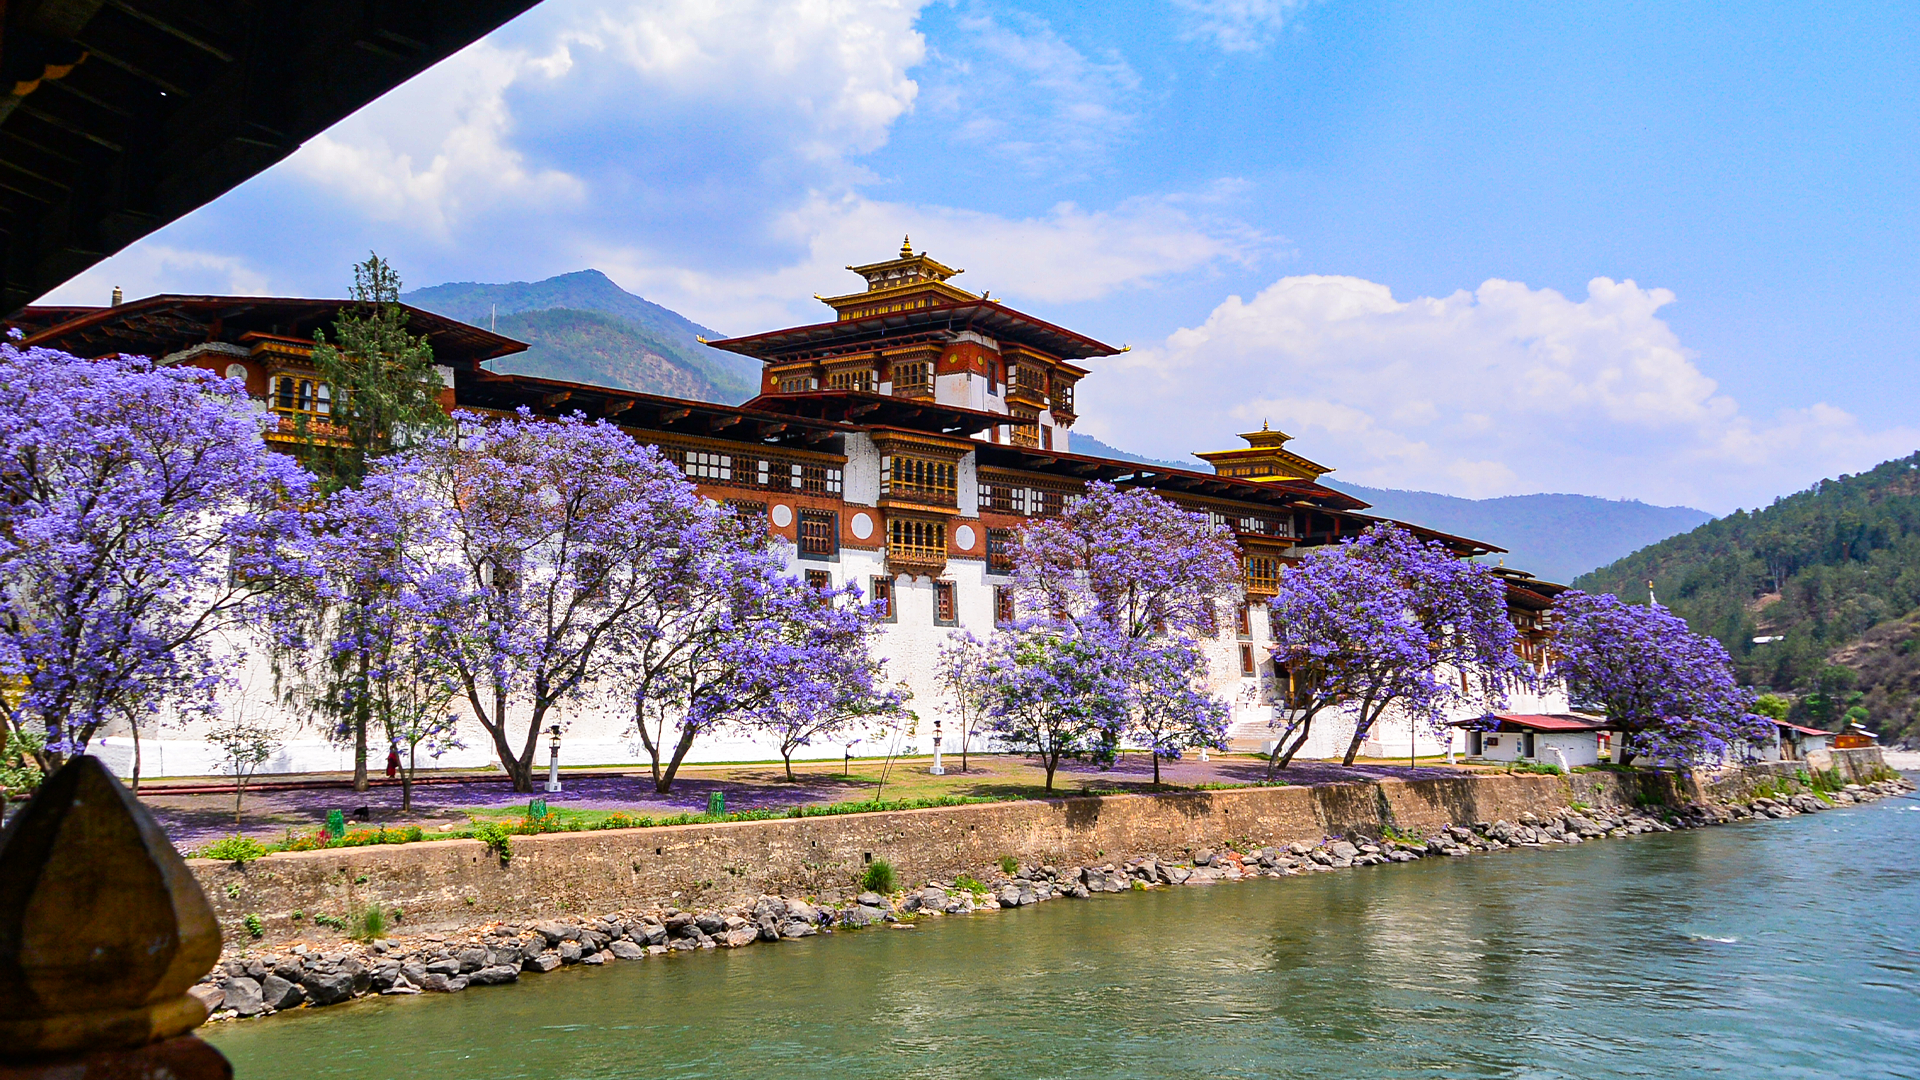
(1669,691)
(1056,690)
(1384,621)
(141,515)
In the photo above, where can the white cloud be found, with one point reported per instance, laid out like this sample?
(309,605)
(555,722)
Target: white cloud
(1235,25)
(1016,88)
(149,268)
(1503,390)
(1069,254)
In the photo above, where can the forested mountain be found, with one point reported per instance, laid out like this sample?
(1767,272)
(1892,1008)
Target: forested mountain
(1557,537)
(584,328)
(1828,580)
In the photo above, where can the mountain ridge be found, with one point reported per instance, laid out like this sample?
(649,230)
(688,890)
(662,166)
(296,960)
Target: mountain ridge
(583,327)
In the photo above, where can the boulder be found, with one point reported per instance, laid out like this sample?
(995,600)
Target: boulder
(444,984)
(769,929)
(594,959)
(1009,895)
(734,939)
(385,975)
(242,996)
(651,933)
(797,928)
(1340,849)
(327,987)
(854,918)
(553,932)
(570,952)
(494,975)
(800,909)
(279,993)
(871,899)
(539,963)
(627,950)
(711,922)
(449,966)
(471,960)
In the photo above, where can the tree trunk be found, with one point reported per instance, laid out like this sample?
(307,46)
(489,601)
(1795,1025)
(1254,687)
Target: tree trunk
(362,706)
(664,785)
(1156,768)
(787,756)
(239,792)
(134,727)
(406,777)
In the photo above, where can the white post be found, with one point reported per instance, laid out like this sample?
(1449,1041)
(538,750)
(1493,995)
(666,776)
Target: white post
(938,769)
(553,760)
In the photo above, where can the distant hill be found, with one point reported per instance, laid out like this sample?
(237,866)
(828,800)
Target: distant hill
(1830,576)
(584,328)
(1556,537)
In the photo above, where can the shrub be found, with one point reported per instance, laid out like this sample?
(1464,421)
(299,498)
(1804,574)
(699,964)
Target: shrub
(331,922)
(1009,865)
(619,819)
(1537,767)
(495,836)
(254,926)
(369,923)
(879,877)
(970,883)
(233,849)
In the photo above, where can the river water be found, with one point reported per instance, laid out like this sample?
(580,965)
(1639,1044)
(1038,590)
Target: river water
(1777,949)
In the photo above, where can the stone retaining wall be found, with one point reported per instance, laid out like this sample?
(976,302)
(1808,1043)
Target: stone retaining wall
(447,883)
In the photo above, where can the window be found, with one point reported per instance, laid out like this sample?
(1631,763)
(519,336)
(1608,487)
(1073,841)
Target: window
(297,397)
(857,379)
(1263,573)
(883,597)
(1000,551)
(819,534)
(702,465)
(935,481)
(943,611)
(1046,438)
(819,479)
(1246,659)
(1025,428)
(799,384)
(1063,398)
(819,580)
(1243,621)
(747,510)
(1273,625)
(913,539)
(1002,605)
(913,378)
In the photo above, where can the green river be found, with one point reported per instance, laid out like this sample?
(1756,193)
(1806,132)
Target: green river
(1779,949)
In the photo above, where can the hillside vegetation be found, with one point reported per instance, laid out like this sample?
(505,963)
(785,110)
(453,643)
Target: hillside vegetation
(1556,537)
(584,328)
(1832,572)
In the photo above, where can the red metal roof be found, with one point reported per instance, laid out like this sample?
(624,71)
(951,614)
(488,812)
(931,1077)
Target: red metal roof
(1803,730)
(1541,722)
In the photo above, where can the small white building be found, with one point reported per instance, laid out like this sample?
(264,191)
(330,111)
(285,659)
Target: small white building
(1569,740)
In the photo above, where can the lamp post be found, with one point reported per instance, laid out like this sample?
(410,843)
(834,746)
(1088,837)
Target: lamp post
(938,769)
(553,759)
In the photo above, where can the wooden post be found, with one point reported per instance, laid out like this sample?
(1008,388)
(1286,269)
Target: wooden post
(103,930)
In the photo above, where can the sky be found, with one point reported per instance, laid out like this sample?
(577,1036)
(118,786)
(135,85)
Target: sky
(1663,252)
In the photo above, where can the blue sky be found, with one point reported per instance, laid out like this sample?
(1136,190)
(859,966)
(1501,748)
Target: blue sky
(1653,251)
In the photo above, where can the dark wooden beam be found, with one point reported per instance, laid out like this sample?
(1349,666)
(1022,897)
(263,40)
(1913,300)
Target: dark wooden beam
(722,423)
(548,401)
(668,416)
(615,408)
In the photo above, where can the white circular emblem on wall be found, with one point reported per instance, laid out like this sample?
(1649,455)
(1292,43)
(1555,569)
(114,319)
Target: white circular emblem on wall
(862,526)
(782,515)
(963,538)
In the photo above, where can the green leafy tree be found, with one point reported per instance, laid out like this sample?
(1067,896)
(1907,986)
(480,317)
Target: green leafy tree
(385,393)
(382,379)
(1773,707)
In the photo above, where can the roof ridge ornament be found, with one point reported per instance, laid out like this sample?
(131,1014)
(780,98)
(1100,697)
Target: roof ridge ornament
(906,246)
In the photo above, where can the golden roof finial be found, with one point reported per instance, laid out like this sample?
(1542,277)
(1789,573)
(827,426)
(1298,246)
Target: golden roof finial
(906,247)
(1263,426)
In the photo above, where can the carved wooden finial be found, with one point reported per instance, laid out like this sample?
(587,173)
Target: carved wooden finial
(102,926)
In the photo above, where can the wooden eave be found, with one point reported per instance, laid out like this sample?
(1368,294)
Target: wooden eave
(864,409)
(158,325)
(986,317)
(138,112)
(730,424)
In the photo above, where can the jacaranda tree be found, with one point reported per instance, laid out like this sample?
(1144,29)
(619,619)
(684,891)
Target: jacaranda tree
(1669,691)
(548,536)
(141,516)
(1384,621)
(1054,691)
(815,678)
(1144,579)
